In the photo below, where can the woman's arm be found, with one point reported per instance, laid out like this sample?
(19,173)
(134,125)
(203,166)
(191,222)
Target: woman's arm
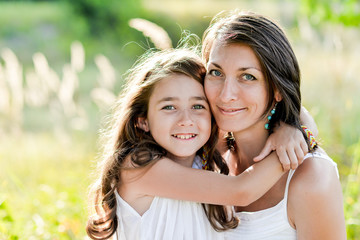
(168,179)
(315,204)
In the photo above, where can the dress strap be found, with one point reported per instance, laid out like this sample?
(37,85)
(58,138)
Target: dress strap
(290,175)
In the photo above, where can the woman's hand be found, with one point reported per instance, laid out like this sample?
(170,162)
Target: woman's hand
(289,144)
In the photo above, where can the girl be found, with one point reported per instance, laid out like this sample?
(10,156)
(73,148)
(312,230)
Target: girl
(162,135)
(253,83)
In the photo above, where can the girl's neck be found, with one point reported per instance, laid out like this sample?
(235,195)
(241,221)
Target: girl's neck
(184,161)
(249,144)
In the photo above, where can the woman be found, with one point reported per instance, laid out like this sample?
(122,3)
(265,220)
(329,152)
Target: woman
(253,83)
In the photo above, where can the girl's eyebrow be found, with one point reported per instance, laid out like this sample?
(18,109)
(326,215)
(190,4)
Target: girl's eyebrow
(168,99)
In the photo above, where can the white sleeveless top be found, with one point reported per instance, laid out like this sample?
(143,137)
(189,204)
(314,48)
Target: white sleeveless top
(166,219)
(271,223)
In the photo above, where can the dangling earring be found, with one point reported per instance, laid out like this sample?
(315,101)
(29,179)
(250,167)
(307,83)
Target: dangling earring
(204,158)
(272,112)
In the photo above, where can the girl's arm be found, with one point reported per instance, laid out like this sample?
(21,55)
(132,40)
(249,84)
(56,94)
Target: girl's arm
(168,179)
(315,202)
(289,142)
(307,120)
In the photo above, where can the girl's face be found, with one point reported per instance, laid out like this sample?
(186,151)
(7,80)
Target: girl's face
(235,87)
(179,116)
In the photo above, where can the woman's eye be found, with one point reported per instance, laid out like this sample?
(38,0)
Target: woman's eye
(248,77)
(215,73)
(168,107)
(198,106)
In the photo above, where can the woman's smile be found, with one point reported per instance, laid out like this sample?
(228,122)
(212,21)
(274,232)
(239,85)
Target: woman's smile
(231,111)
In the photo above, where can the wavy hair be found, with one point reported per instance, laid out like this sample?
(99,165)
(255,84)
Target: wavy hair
(123,138)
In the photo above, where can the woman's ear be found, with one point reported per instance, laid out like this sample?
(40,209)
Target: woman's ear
(143,124)
(278,96)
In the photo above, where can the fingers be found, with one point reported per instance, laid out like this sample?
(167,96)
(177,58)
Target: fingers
(264,152)
(300,154)
(293,159)
(290,157)
(304,147)
(283,158)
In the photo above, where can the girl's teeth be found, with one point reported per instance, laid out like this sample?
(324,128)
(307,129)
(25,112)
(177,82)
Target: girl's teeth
(184,136)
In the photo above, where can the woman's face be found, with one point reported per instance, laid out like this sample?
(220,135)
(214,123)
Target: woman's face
(235,87)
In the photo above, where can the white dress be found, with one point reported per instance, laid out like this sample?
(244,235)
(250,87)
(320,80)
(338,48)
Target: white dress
(271,223)
(166,219)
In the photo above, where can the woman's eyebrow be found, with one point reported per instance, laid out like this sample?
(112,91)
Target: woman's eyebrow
(215,64)
(247,68)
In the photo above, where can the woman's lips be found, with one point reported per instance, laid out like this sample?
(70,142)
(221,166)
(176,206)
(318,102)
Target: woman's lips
(230,111)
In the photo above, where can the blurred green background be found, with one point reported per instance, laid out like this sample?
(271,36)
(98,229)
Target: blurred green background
(62,65)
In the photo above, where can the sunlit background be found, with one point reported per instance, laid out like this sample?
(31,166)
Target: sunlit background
(62,66)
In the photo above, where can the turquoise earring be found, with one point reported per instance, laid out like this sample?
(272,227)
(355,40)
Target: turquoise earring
(272,112)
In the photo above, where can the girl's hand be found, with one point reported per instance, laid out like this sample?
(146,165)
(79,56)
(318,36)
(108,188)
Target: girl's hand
(289,144)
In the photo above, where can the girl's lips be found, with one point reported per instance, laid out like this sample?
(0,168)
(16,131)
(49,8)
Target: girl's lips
(184,136)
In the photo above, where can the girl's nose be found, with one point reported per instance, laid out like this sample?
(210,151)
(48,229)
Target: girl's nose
(185,119)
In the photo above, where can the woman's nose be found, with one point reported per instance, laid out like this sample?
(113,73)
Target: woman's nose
(229,91)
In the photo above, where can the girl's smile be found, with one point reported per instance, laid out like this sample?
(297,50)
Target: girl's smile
(179,117)
(184,136)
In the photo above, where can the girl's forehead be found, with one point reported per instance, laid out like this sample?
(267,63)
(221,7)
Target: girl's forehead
(176,84)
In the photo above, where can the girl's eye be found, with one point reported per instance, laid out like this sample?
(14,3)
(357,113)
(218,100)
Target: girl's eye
(168,107)
(198,106)
(215,73)
(248,77)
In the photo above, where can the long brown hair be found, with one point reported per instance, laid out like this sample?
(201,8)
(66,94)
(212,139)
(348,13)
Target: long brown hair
(124,138)
(275,54)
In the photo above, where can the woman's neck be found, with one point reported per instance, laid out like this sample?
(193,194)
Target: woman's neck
(249,144)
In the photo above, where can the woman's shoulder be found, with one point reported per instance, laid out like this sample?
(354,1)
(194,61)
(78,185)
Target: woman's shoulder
(315,198)
(315,175)
(314,182)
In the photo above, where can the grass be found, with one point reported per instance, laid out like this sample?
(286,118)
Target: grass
(43,187)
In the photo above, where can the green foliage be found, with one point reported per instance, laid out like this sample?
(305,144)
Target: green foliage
(346,12)
(352,194)
(43,192)
(107,16)
(6,220)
